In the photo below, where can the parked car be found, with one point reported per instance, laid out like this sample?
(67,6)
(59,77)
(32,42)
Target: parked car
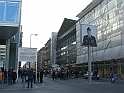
(87,75)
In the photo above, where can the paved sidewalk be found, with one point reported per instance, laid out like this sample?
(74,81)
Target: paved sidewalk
(17,86)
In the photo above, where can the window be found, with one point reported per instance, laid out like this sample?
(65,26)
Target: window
(12,10)
(1,11)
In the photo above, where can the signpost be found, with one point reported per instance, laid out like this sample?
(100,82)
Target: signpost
(28,55)
(88,39)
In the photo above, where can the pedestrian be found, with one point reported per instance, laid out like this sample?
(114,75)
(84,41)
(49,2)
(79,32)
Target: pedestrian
(38,76)
(95,75)
(10,74)
(19,72)
(41,76)
(14,76)
(5,76)
(112,77)
(56,74)
(30,78)
(53,74)
(24,75)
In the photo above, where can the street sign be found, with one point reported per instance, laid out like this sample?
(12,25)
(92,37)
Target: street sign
(27,54)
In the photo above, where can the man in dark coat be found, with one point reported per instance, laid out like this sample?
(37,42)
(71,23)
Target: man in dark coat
(89,39)
(95,75)
(30,77)
(38,74)
(10,74)
(5,76)
(53,74)
(14,76)
(41,76)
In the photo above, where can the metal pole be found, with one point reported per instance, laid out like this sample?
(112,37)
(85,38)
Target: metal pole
(89,63)
(30,48)
(30,40)
(36,56)
(36,68)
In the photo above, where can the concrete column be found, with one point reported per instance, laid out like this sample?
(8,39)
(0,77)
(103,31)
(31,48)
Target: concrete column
(7,54)
(17,46)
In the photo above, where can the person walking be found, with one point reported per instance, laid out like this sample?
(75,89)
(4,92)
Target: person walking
(24,75)
(53,74)
(30,77)
(41,76)
(112,77)
(5,76)
(10,74)
(38,74)
(95,75)
(14,76)
(19,72)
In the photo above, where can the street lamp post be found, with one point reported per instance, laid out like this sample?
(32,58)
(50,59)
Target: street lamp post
(30,38)
(36,60)
(30,43)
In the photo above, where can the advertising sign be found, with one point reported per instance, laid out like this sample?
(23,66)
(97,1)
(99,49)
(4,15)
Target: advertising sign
(27,54)
(88,35)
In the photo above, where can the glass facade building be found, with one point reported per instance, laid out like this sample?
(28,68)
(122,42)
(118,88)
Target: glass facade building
(10,20)
(66,44)
(9,11)
(108,16)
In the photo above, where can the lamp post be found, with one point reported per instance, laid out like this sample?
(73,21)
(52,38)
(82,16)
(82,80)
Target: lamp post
(30,38)
(30,47)
(30,43)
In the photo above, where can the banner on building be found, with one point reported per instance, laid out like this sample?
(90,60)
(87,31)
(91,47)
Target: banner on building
(27,54)
(88,35)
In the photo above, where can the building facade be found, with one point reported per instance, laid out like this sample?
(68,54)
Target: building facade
(47,62)
(66,44)
(108,16)
(41,58)
(53,49)
(10,30)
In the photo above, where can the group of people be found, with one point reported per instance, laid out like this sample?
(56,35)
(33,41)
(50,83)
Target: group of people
(10,76)
(26,75)
(29,76)
(64,74)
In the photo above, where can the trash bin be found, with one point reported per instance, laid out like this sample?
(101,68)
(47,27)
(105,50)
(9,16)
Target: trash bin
(0,76)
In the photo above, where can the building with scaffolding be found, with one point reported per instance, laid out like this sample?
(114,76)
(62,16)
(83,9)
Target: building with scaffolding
(108,16)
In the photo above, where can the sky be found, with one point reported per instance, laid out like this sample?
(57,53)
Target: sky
(43,17)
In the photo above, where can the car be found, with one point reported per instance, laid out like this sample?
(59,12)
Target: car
(87,75)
